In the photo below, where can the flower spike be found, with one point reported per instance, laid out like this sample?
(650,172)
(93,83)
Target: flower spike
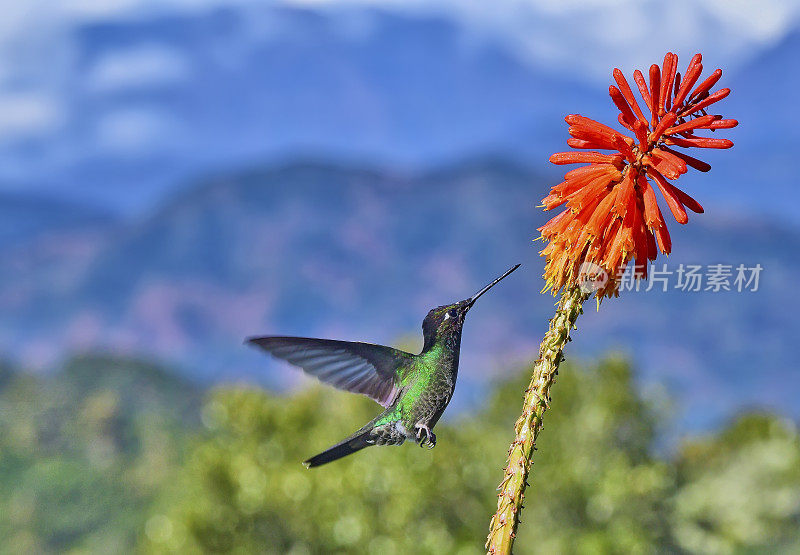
(610,211)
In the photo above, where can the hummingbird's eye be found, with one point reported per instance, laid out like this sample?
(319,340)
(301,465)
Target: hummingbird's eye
(451,313)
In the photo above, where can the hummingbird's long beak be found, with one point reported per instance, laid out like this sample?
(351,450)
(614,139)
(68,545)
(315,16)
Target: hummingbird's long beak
(471,300)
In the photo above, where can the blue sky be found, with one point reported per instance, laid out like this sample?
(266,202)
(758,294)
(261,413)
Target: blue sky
(49,125)
(36,64)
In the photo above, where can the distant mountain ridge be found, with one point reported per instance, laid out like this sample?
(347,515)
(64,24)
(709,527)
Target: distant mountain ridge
(352,252)
(154,100)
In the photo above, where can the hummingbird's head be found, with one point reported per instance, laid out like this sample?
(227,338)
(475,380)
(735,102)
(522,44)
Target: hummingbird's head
(447,320)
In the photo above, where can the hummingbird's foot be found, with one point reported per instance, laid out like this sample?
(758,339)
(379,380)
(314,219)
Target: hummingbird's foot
(425,435)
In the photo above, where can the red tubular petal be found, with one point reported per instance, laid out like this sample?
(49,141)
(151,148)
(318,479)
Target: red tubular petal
(699,142)
(663,125)
(691,124)
(706,85)
(693,72)
(652,214)
(626,91)
(629,221)
(600,217)
(581,122)
(652,251)
(708,101)
(639,238)
(640,82)
(692,162)
(562,158)
(640,129)
(624,145)
(655,89)
(576,182)
(585,206)
(580,143)
(621,104)
(589,193)
(555,225)
(688,201)
(624,122)
(674,161)
(624,197)
(665,165)
(668,76)
(582,133)
(721,124)
(664,240)
(552,201)
(673,201)
(613,256)
(567,188)
(592,171)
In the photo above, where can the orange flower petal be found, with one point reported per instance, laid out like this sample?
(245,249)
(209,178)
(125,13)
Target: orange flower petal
(664,159)
(688,201)
(640,82)
(721,124)
(668,76)
(562,158)
(652,213)
(699,142)
(670,195)
(655,89)
(663,125)
(626,91)
(622,105)
(692,74)
(624,196)
(692,162)
(691,124)
(708,101)
(664,240)
(706,85)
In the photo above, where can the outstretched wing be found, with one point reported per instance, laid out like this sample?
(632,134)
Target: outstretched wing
(357,367)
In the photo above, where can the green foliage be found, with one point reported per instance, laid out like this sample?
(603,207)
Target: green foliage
(740,489)
(597,487)
(84,452)
(109,456)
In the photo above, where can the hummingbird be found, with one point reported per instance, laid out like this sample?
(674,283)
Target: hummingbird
(413,389)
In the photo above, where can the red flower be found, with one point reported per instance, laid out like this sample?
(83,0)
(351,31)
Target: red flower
(612,215)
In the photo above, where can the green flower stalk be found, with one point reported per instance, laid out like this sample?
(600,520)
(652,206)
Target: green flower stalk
(537,400)
(611,217)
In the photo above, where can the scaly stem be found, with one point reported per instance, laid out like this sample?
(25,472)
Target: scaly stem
(503,526)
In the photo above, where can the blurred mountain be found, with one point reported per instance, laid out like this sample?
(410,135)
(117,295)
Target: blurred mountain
(171,94)
(768,130)
(150,101)
(25,217)
(352,252)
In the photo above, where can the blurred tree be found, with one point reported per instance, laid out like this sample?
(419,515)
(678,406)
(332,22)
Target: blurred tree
(740,490)
(244,489)
(83,452)
(109,455)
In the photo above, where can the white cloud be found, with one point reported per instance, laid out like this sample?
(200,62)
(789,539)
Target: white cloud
(27,114)
(142,66)
(134,130)
(591,36)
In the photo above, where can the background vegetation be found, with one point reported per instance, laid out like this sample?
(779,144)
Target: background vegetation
(111,455)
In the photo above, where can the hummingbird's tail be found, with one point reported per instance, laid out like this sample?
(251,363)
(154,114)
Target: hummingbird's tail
(347,447)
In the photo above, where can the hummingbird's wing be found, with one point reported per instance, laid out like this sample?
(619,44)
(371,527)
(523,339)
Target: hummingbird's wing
(358,367)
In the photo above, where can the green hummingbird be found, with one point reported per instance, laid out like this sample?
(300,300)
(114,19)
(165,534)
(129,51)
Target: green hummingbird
(413,389)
